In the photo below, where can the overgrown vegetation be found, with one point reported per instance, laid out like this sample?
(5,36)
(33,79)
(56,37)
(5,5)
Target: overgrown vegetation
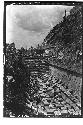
(66,38)
(32,86)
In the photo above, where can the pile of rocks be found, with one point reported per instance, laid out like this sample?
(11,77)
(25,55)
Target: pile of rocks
(55,100)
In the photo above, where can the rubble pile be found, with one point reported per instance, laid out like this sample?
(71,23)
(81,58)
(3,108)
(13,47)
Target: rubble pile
(56,100)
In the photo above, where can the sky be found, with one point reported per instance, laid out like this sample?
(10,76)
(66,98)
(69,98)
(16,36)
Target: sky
(28,25)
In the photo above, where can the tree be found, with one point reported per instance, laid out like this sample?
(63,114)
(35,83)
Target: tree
(18,90)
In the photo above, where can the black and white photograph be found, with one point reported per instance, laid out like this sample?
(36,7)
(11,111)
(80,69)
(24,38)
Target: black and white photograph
(42,50)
